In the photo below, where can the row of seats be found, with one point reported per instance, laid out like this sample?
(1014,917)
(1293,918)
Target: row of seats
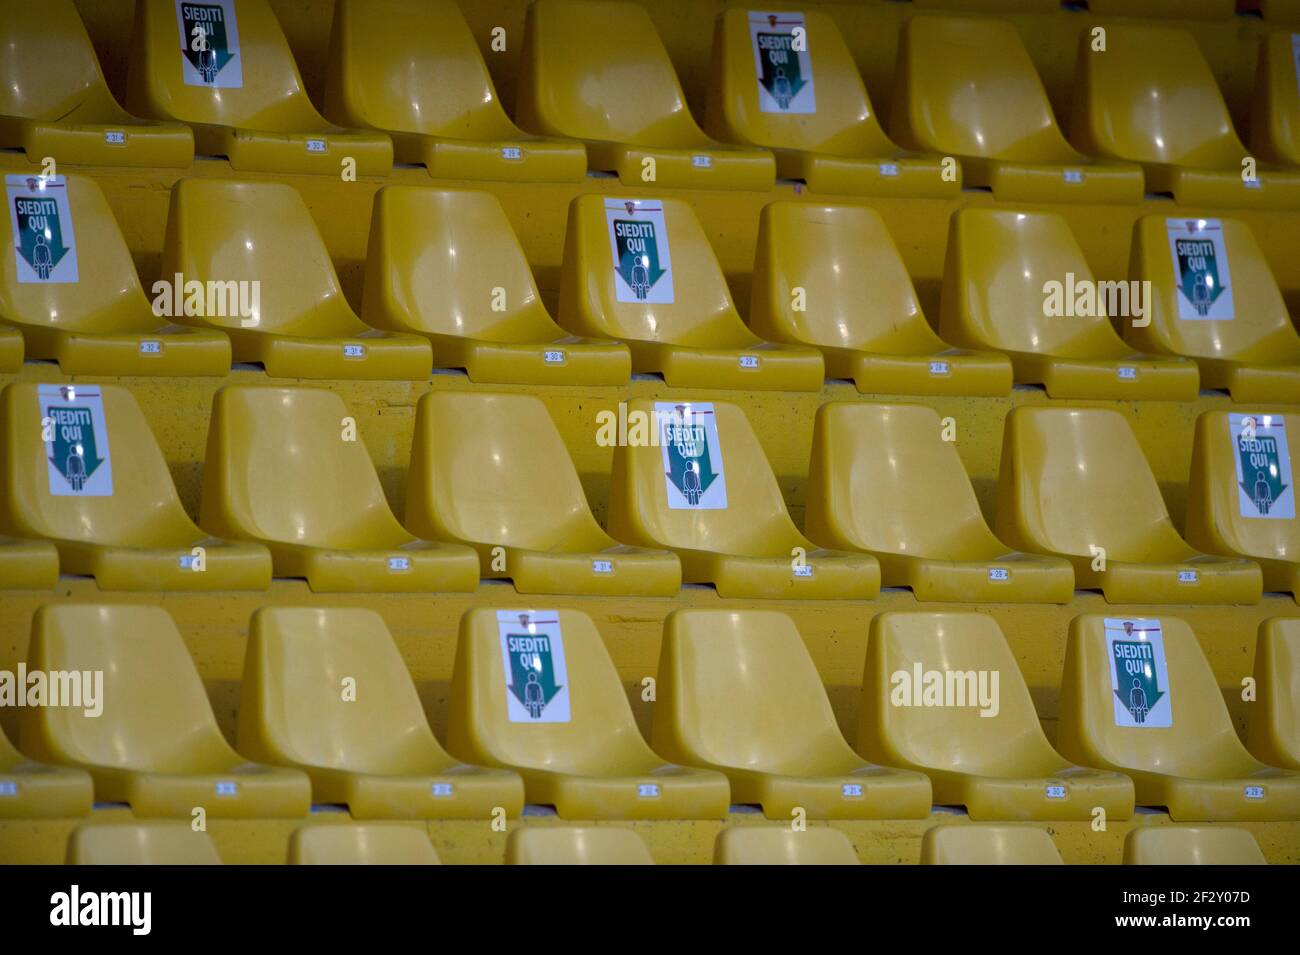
(1178,9)
(358,844)
(245,274)
(537,712)
(289,490)
(598,91)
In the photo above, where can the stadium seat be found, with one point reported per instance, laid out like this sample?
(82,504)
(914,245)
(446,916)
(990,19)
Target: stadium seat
(11,350)
(576,845)
(516,703)
(621,280)
(156,744)
(100,490)
(92,315)
(978,739)
(738,692)
(297,322)
(991,6)
(988,845)
(141,843)
(967,88)
(361,845)
(253,111)
(491,471)
(446,265)
(1074,482)
(781,845)
(1160,719)
(55,103)
(596,71)
(31,790)
(327,692)
(1150,98)
(1275,103)
(810,108)
(705,490)
(28,564)
(1191,845)
(1241,494)
(1279,12)
(1218,303)
(284,468)
(1178,9)
(412,69)
(857,305)
(883,480)
(999,267)
(1273,719)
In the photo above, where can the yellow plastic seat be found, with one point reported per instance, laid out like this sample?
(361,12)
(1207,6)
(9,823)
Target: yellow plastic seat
(576,845)
(298,324)
(1191,845)
(1074,482)
(446,265)
(988,845)
(1161,720)
(99,321)
(31,790)
(1275,103)
(1151,98)
(142,843)
(251,109)
(643,272)
(978,740)
(361,845)
(1273,720)
(1177,9)
(1241,337)
(535,691)
(966,88)
(101,491)
(738,692)
(1279,12)
(492,471)
(281,470)
(882,480)
(1241,493)
(412,69)
(707,492)
(54,100)
(857,305)
(998,267)
(781,845)
(28,564)
(327,692)
(155,743)
(596,71)
(11,350)
(991,6)
(810,109)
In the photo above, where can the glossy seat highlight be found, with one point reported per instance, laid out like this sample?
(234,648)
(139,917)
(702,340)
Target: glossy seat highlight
(707,492)
(597,72)
(1151,98)
(1241,336)
(27,564)
(412,69)
(821,127)
(576,845)
(1191,845)
(988,845)
(102,323)
(866,319)
(361,845)
(573,740)
(118,520)
(1170,732)
(1074,482)
(54,101)
(967,88)
(492,471)
(280,470)
(35,790)
(780,845)
(1273,721)
(986,749)
(738,692)
(680,322)
(255,244)
(999,265)
(882,480)
(142,843)
(155,742)
(243,94)
(446,265)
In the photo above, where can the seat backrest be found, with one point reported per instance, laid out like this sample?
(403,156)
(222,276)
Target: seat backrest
(988,845)
(576,845)
(49,67)
(1275,101)
(1273,723)
(1178,9)
(141,843)
(781,845)
(361,845)
(1191,845)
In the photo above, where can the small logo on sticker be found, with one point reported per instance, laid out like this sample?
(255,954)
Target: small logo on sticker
(648,790)
(315,145)
(553,357)
(227,789)
(511,152)
(354,351)
(399,563)
(1052,791)
(938,368)
(1187,577)
(602,566)
(442,789)
(115,137)
(748,361)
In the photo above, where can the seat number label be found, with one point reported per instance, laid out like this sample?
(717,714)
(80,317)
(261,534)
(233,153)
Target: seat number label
(803,570)
(315,145)
(442,790)
(553,357)
(999,573)
(1254,792)
(889,169)
(748,361)
(1053,791)
(115,137)
(1187,576)
(1127,373)
(399,563)
(602,566)
(513,153)
(648,790)
(939,368)
(851,790)
(227,789)
(8,788)
(702,162)
(354,351)
(151,348)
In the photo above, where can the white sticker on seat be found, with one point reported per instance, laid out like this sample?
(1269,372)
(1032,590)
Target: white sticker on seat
(694,479)
(77,457)
(1265,484)
(227,789)
(1201,274)
(209,39)
(1139,678)
(638,245)
(1054,791)
(397,564)
(316,146)
(553,356)
(115,137)
(602,566)
(532,655)
(40,219)
(512,153)
(782,62)
(999,574)
(648,790)
(442,790)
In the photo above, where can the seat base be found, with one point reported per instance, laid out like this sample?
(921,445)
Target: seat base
(1216,580)
(1253,383)
(169,351)
(417,567)
(45,792)
(227,565)
(383,357)
(245,791)
(539,160)
(11,350)
(568,361)
(87,144)
(1210,800)
(1135,378)
(632,571)
(827,575)
(988,798)
(868,792)
(712,166)
(951,372)
(456,792)
(319,152)
(679,792)
(1223,188)
(906,175)
(773,367)
(28,564)
(1029,578)
(1082,181)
